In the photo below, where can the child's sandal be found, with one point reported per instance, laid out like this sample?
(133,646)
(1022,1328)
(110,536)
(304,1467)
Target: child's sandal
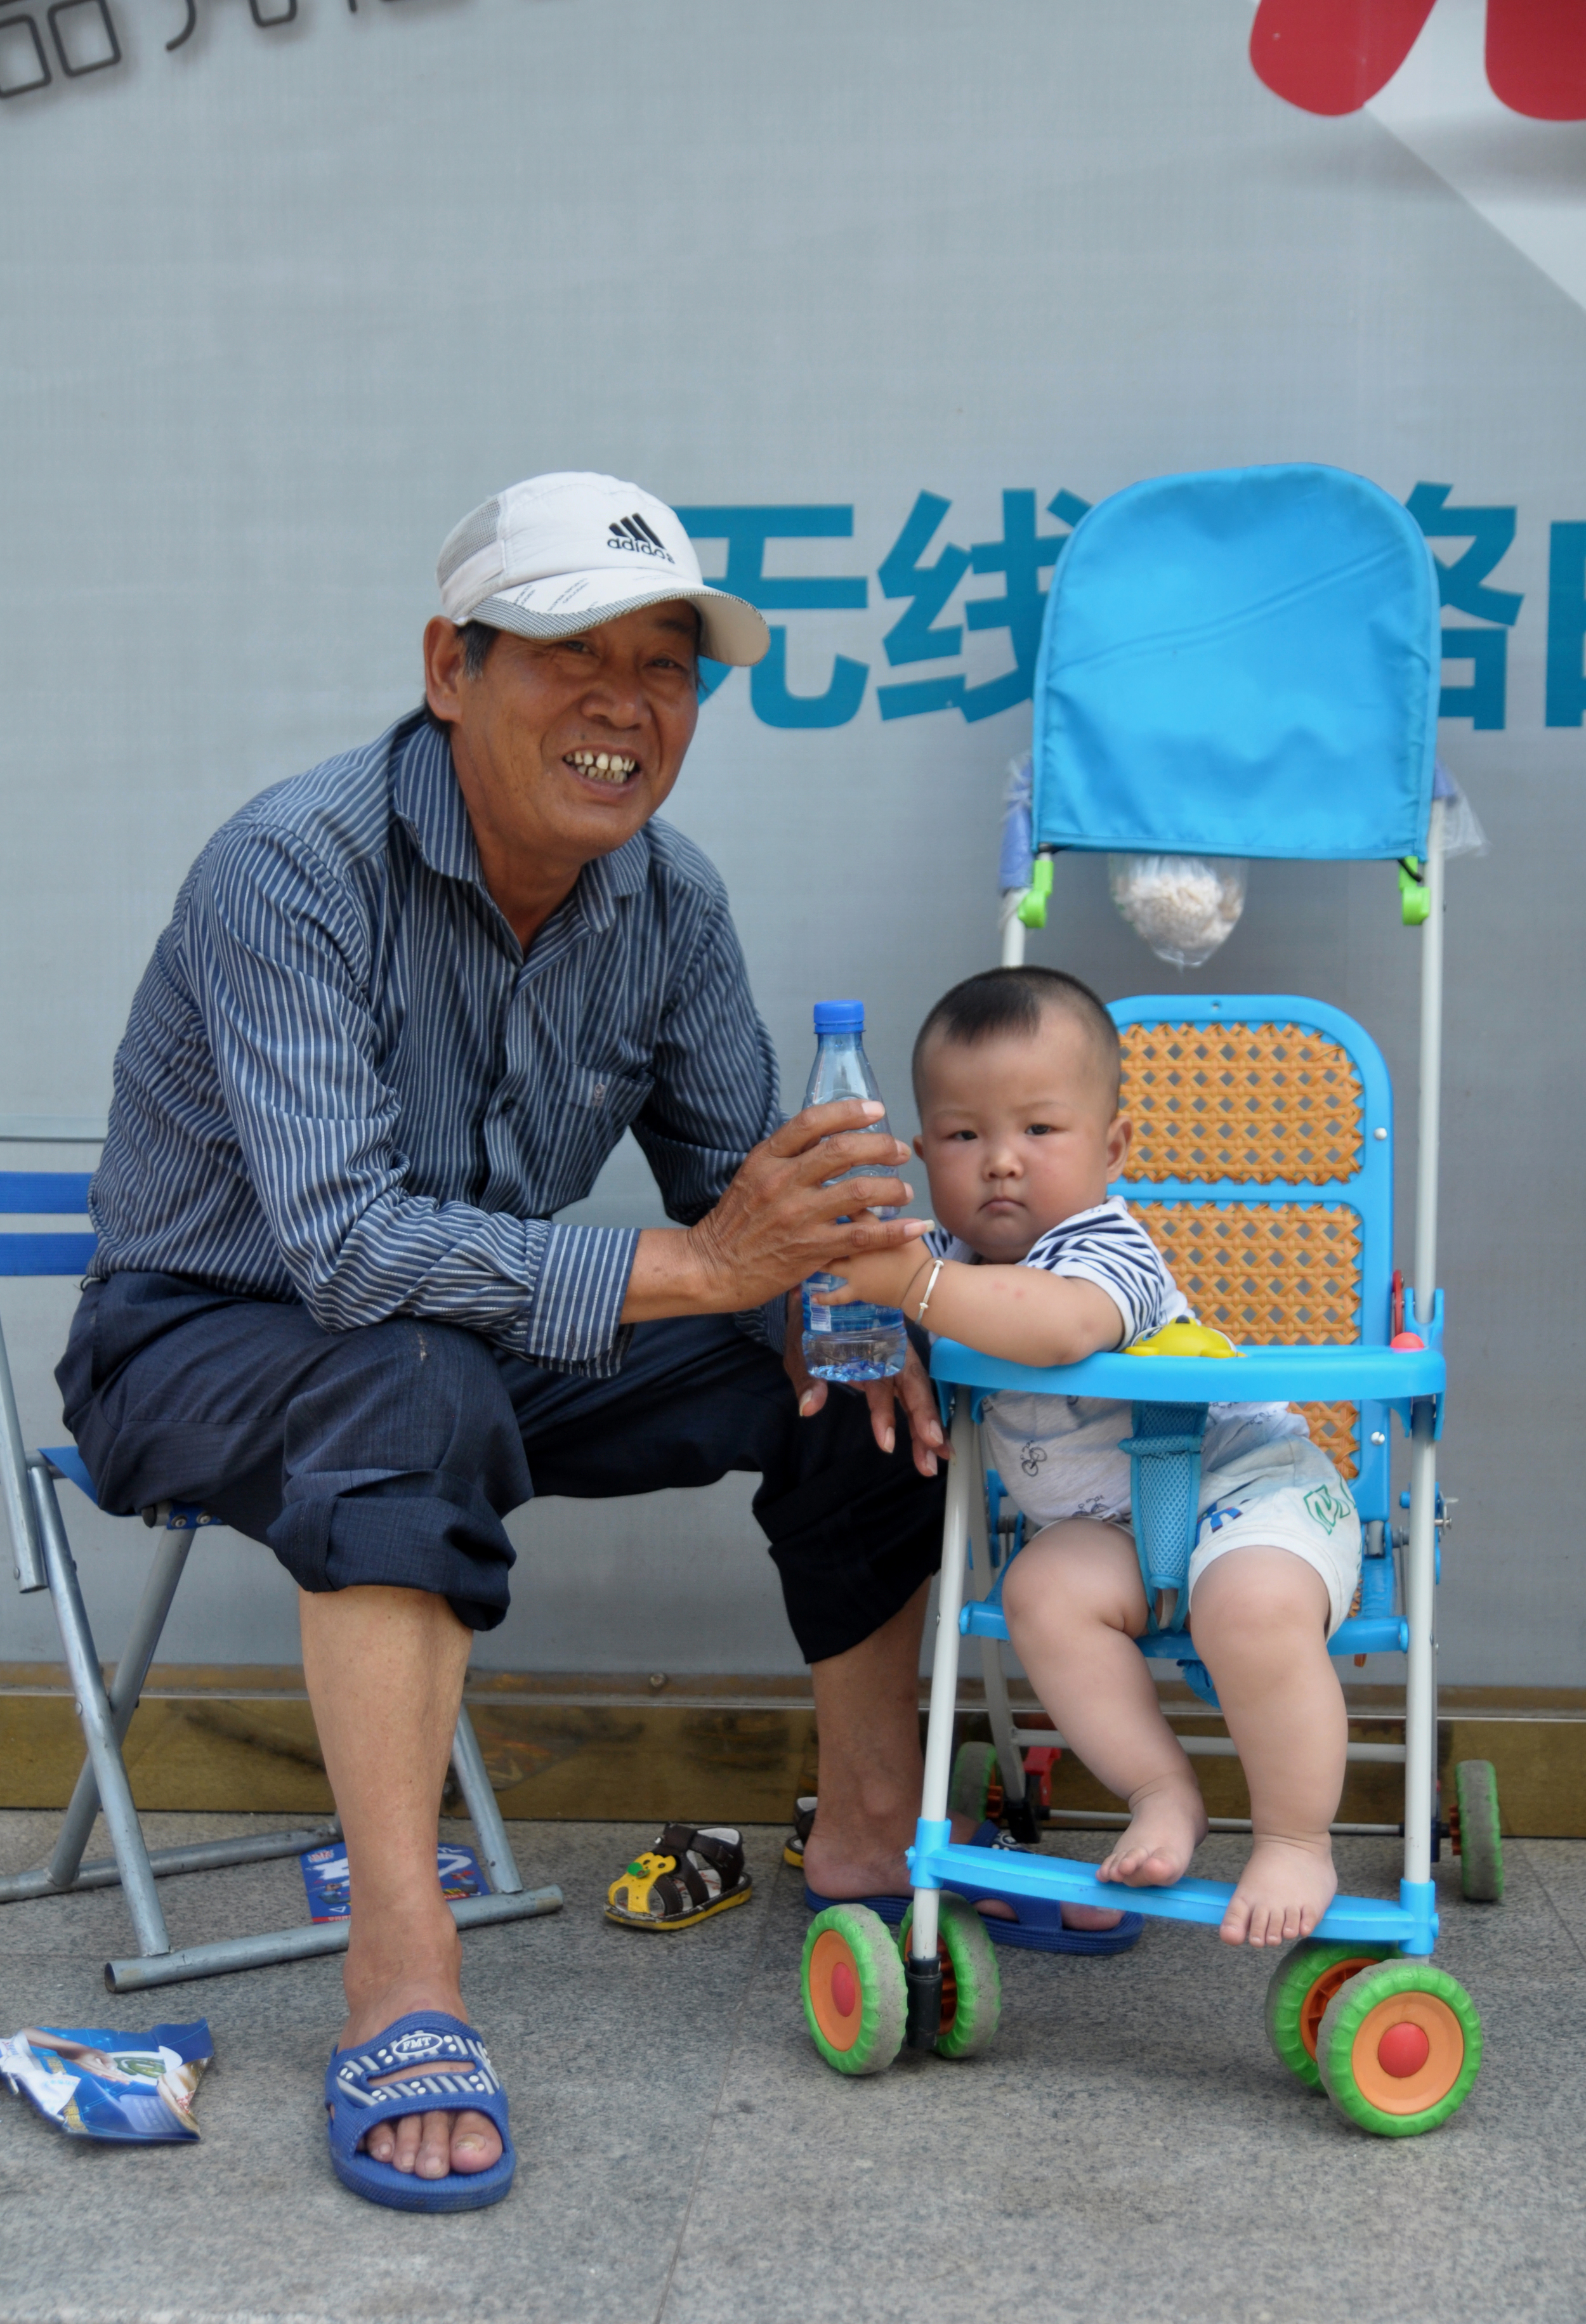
(803,1825)
(689,1873)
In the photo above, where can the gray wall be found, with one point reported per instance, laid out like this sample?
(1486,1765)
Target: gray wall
(278,306)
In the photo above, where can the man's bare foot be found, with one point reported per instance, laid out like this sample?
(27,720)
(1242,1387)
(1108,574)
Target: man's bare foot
(1089,1916)
(1282,1892)
(880,1874)
(429,2146)
(1168,1824)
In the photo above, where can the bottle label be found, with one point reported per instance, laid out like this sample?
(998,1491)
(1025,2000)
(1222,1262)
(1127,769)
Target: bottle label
(817,1319)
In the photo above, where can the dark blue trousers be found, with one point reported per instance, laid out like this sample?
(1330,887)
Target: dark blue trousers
(392,1454)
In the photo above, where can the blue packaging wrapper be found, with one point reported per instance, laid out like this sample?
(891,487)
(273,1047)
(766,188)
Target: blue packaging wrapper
(325,1877)
(91,2083)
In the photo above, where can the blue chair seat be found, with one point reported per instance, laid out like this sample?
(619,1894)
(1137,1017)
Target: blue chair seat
(69,1462)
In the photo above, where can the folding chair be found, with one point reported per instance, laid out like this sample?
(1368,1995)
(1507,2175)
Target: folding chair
(41,1559)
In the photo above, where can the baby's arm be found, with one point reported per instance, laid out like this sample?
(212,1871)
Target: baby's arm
(1022,1313)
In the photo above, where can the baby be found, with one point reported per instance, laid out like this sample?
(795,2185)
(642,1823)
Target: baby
(1017,1075)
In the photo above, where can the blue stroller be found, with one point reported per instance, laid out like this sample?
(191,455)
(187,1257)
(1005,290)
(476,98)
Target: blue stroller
(1245,663)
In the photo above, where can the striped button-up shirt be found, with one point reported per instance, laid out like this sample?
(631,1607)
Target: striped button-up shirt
(344,1081)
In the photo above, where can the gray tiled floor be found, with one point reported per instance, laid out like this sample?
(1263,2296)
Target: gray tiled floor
(1129,2151)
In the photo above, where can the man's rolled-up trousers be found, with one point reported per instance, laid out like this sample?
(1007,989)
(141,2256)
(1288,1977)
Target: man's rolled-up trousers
(392,1453)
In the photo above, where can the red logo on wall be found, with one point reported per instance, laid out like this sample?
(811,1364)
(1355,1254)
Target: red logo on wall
(1333,56)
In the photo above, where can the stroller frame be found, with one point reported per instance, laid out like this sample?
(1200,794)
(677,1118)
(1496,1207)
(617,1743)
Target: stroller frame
(1245,663)
(1413,1383)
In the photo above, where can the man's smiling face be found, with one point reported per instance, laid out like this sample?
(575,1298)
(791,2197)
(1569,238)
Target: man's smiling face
(565,747)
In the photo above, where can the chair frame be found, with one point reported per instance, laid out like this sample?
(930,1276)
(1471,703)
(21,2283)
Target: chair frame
(41,1559)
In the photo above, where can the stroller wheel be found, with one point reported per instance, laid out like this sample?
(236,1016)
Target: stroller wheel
(1398,2048)
(855,1999)
(1298,1992)
(1479,1836)
(972,1983)
(976,1788)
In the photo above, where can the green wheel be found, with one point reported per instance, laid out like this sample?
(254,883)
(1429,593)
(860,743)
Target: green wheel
(971,1984)
(1398,2048)
(976,1789)
(1298,1992)
(855,1999)
(1481,1838)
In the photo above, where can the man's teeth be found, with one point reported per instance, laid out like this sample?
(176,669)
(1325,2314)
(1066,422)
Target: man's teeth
(605,766)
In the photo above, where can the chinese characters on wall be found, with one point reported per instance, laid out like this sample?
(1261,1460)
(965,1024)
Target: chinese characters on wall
(67,40)
(924,569)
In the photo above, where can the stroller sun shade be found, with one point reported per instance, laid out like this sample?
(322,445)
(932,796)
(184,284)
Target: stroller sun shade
(1240,663)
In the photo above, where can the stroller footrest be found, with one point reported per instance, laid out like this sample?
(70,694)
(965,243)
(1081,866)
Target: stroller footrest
(1411,1922)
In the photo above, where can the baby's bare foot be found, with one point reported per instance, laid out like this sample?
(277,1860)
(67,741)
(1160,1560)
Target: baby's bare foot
(1283,1892)
(1168,1824)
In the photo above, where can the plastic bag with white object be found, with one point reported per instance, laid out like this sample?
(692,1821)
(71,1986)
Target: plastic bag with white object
(1184,905)
(1461,831)
(1016,859)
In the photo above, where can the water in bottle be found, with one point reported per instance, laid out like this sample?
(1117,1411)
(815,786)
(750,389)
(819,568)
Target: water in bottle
(859,1342)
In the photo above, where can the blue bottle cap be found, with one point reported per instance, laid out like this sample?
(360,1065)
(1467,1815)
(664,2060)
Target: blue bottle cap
(839,1016)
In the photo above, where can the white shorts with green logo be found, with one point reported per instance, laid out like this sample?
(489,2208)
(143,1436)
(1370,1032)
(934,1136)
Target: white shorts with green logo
(1283,1495)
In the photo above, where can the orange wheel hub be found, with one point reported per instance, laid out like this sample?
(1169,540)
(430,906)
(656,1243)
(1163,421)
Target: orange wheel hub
(837,1995)
(949,1992)
(1315,2008)
(1407,2052)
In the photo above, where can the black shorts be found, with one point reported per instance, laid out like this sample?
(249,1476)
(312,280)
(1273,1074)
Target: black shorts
(391,1454)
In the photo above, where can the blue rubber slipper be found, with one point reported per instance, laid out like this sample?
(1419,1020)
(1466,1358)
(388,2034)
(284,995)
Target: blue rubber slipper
(1039,1928)
(458,2075)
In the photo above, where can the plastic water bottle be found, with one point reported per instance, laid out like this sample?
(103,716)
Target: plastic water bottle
(858,1342)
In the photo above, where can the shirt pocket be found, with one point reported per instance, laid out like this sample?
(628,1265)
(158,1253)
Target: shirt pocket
(607,1098)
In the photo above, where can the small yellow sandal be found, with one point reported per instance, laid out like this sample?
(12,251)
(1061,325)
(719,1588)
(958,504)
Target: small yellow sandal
(803,1825)
(689,1873)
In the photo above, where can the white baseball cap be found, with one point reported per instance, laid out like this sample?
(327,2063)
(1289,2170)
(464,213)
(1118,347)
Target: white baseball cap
(562,553)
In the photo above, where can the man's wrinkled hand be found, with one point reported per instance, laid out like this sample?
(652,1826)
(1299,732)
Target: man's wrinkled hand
(780,1218)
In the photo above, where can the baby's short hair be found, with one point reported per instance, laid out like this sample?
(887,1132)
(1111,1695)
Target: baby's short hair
(1014,1000)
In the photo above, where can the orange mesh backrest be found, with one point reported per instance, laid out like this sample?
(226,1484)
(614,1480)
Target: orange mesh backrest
(1265,1272)
(1240,1100)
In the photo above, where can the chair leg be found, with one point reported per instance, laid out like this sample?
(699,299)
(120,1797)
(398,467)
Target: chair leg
(126,1837)
(148,1622)
(303,1944)
(474,1782)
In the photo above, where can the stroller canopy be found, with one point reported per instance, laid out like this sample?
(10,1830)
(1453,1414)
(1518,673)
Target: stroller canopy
(1241,663)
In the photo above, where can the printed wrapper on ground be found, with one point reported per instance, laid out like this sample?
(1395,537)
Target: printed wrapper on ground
(92,2082)
(325,1877)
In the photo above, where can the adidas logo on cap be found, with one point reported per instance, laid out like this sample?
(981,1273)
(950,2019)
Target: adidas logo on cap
(631,533)
(564,552)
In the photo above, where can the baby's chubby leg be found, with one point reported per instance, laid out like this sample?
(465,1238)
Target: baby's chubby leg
(1258,1618)
(1075,1604)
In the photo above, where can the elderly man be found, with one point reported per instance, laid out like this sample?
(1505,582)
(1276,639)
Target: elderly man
(406,1005)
